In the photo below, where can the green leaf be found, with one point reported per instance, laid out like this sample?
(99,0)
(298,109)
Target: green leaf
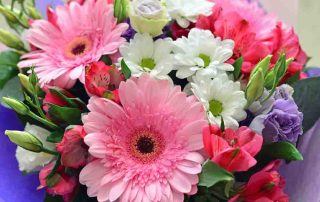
(293,78)
(72,102)
(212,174)
(281,150)
(12,89)
(8,66)
(55,137)
(71,116)
(307,96)
(237,68)
(125,69)
(53,180)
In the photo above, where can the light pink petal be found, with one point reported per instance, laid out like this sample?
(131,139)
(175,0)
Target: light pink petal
(180,182)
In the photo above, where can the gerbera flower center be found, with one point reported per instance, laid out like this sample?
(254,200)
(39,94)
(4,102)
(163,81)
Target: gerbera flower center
(206,59)
(215,107)
(148,63)
(146,146)
(78,47)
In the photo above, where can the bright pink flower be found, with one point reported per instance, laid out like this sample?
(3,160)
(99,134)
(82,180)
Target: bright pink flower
(74,36)
(232,150)
(148,148)
(65,185)
(74,153)
(264,186)
(286,41)
(51,98)
(103,80)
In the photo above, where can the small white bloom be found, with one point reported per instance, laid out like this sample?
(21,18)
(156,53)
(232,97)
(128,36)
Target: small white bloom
(186,11)
(31,161)
(143,54)
(202,53)
(221,97)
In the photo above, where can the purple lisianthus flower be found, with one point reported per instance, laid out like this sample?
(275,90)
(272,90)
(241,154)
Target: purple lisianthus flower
(283,121)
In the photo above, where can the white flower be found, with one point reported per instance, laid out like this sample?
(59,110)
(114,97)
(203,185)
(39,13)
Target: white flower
(143,54)
(221,97)
(31,161)
(202,53)
(186,11)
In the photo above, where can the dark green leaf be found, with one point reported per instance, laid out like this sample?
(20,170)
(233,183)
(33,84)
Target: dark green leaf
(307,96)
(12,89)
(281,150)
(125,69)
(293,78)
(53,180)
(8,66)
(72,102)
(106,59)
(55,137)
(51,198)
(237,68)
(212,174)
(71,116)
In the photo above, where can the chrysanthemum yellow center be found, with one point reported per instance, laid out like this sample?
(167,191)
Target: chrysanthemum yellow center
(148,63)
(146,146)
(206,59)
(215,107)
(77,47)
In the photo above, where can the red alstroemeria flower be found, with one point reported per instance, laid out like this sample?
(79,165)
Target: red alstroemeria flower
(51,98)
(74,152)
(232,150)
(64,186)
(103,80)
(264,186)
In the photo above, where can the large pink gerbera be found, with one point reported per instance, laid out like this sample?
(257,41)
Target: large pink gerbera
(74,36)
(146,149)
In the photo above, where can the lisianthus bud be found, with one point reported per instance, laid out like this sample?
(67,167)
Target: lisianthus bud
(12,17)
(24,80)
(33,12)
(16,105)
(148,16)
(255,87)
(25,140)
(11,40)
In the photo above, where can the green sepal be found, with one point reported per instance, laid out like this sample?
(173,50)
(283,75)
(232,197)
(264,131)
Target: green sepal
(125,70)
(237,68)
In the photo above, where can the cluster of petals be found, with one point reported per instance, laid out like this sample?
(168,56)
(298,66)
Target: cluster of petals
(233,150)
(147,148)
(74,36)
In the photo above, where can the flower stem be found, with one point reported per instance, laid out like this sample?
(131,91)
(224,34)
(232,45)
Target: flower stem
(44,121)
(49,151)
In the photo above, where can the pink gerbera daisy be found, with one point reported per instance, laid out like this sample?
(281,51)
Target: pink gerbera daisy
(74,36)
(148,148)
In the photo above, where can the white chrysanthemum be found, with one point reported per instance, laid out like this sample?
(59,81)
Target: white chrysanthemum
(143,54)
(202,53)
(31,161)
(221,97)
(186,11)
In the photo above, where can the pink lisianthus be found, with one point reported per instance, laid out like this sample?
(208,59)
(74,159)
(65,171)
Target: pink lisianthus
(264,186)
(146,149)
(74,153)
(286,41)
(232,150)
(74,36)
(103,80)
(64,185)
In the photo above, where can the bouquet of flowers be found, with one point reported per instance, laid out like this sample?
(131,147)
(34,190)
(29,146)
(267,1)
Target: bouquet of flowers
(148,100)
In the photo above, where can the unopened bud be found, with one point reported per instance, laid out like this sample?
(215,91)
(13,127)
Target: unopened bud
(11,40)
(25,140)
(33,12)
(255,87)
(16,105)
(24,80)
(263,65)
(12,17)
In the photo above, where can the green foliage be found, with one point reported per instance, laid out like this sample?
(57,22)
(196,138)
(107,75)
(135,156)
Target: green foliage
(212,174)
(281,150)
(125,69)
(307,97)
(8,66)
(237,68)
(68,115)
